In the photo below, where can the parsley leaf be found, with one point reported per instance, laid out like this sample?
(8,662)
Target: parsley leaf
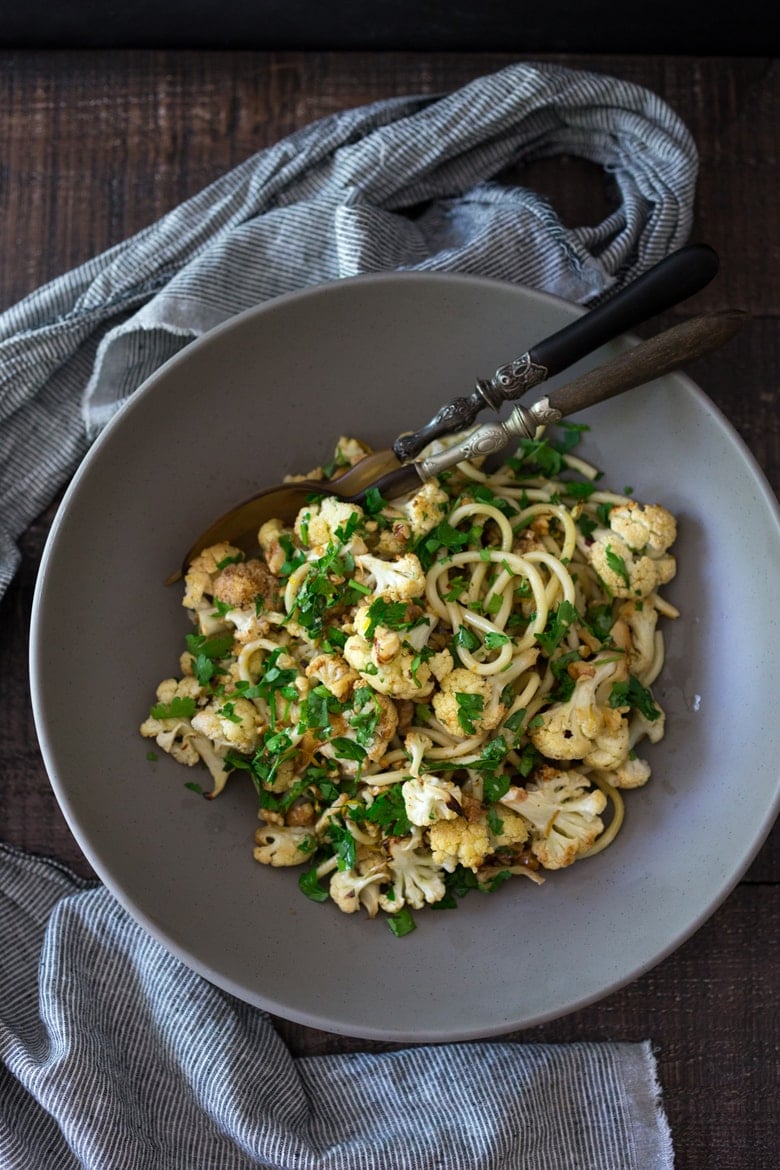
(180,707)
(633,694)
(347,749)
(309,884)
(344,845)
(493,639)
(388,811)
(402,922)
(393,615)
(469,708)
(557,626)
(617,565)
(213,647)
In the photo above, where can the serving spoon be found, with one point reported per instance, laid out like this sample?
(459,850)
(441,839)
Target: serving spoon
(381,472)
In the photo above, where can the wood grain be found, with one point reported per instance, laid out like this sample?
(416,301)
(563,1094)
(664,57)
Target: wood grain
(96,145)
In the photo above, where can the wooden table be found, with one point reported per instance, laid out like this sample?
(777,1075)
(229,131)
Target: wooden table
(94,146)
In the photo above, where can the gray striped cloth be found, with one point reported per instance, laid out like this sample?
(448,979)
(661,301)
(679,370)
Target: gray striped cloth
(114,1054)
(117,1057)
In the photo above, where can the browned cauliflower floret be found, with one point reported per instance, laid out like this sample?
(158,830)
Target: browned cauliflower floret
(643,649)
(239,584)
(231,723)
(199,578)
(370,722)
(335,673)
(585,727)
(325,522)
(632,773)
(646,528)
(630,556)
(401,579)
(563,812)
(352,888)
(413,518)
(513,830)
(284,844)
(415,878)
(468,703)
(270,537)
(349,451)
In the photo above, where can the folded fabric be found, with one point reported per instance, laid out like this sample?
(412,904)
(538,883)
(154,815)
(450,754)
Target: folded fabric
(409,183)
(116,1056)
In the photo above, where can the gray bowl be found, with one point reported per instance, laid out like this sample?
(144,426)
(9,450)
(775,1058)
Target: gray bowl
(268,393)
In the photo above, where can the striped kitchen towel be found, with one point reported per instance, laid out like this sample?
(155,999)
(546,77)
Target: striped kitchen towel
(118,1057)
(410,183)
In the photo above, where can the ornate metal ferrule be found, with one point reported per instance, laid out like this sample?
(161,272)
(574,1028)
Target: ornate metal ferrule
(508,383)
(523,422)
(511,381)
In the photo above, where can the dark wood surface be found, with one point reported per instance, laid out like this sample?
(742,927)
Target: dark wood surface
(94,146)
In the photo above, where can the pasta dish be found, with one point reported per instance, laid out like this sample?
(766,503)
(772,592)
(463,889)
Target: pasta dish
(435,694)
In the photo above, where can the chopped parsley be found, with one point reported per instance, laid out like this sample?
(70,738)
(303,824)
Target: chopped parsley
(557,627)
(633,694)
(402,922)
(180,707)
(469,710)
(392,615)
(617,565)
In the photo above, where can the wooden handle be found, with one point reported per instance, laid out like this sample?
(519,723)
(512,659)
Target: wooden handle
(649,359)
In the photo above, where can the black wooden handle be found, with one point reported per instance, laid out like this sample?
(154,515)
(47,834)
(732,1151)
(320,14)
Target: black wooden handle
(674,279)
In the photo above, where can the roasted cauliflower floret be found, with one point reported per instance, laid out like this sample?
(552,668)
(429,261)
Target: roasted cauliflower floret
(369,723)
(564,814)
(425,509)
(513,831)
(399,580)
(202,569)
(631,569)
(176,734)
(412,518)
(349,451)
(468,704)
(271,537)
(324,522)
(352,888)
(646,528)
(631,773)
(414,878)
(398,673)
(231,723)
(240,583)
(431,798)
(282,845)
(585,727)
(335,673)
(641,621)
(460,842)
(173,732)
(427,797)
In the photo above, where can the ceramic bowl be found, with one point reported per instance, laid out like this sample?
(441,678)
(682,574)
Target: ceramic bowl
(266,394)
